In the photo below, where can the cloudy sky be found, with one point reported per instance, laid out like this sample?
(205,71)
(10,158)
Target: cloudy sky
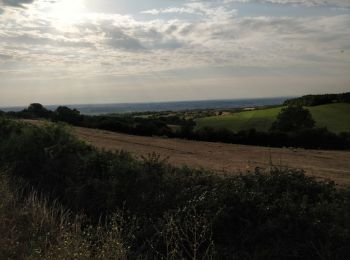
(107,51)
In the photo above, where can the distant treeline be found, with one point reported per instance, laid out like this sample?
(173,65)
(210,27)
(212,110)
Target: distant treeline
(316,100)
(147,126)
(156,211)
(306,137)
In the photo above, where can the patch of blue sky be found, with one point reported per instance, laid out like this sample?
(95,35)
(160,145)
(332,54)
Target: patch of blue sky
(132,7)
(136,8)
(266,9)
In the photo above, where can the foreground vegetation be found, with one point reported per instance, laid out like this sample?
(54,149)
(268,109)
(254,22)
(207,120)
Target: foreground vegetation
(122,208)
(34,228)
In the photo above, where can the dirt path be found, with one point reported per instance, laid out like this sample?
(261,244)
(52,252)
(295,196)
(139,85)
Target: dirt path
(221,157)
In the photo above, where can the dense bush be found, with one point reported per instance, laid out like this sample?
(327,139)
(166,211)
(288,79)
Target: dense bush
(179,212)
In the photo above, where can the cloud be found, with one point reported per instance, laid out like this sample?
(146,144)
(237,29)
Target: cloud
(130,46)
(116,38)
(5,57)
(16,3)
(32,39)
(196,42)
(205,9)
(172,10)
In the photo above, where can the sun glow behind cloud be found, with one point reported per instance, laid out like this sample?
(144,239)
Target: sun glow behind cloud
(67,11)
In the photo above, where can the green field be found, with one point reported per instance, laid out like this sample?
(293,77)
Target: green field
(336,117)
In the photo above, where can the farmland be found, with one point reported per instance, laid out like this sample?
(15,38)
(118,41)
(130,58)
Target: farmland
(222,158)
(335,117)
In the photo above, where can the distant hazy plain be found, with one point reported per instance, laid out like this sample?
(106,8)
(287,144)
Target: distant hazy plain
(96,109)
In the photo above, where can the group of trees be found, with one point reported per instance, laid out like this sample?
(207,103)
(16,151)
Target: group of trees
(172,213)
(316,100)
(124,124)
(62,113)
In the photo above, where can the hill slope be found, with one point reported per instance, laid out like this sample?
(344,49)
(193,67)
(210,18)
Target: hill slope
(335,117)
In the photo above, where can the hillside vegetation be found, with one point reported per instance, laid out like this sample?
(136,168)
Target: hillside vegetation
(335,117)
(311,137)
(151,210)
(316,100)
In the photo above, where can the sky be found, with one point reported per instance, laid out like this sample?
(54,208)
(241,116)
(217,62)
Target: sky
(119,51)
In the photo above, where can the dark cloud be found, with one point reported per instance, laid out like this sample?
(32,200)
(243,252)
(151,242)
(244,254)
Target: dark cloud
(32,40)
(167,44)
(154,38)
(118,39)
(5,57)
(17,3)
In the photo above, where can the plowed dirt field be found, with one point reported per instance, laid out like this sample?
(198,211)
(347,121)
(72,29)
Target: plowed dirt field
(225,158)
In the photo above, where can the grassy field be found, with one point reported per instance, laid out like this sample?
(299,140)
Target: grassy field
(336,117)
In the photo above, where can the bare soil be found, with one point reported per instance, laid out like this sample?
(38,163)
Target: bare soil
(224,158)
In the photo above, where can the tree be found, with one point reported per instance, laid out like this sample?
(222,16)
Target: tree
(38,110)
(65,114)
(293,119)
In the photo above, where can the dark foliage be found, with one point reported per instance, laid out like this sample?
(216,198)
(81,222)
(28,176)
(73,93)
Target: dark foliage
(316,100)
(281,214)
(37,110)
(315,138)
(34,110)
(293,119)
(65,114)
(130,125)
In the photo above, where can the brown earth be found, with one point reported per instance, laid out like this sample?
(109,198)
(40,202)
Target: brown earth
(224,158)
(221,157)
